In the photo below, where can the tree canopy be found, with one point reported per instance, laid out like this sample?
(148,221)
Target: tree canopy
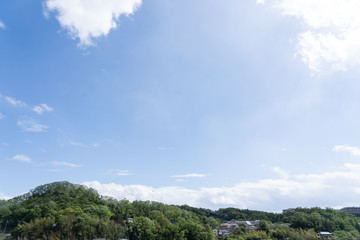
(62,210)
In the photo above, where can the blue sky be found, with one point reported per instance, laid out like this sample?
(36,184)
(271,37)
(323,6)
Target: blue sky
(251,104)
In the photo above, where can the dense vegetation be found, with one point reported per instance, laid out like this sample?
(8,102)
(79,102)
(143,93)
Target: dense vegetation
(62,210)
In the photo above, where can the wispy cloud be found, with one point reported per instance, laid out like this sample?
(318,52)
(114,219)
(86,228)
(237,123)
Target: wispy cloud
(39,109)
(190,175)
(42,108)
(112,142)
(123,173)
(14,102)
(355,151)
(31,125)
(65,164)
(165,148)
(117,172)
(86,20)
(77,144)
(2,25)
(330,40)
(22,158)
(281,172)
(2,116)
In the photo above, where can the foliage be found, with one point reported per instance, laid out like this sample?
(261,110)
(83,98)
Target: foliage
(323,220)
(62,210)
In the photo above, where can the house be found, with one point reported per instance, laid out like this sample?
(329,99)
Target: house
(222,232)
(226,228)
(325,235)
(250,225)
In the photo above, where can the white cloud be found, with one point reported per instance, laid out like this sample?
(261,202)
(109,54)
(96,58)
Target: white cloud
(42,108)
(39,109)
(87,20)
(4,196)
(331,36)
(31,125)
(65,164)
(352,167)
(14,102)
(2,116)
(123,173)
(355,151)
(281,172)
(267,194)
(79,144)
(191,175)
(117,172)
(22,158)
(2,25)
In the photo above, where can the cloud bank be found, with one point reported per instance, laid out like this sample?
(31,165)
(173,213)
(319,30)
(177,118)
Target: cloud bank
(265,194)
(331,37)
(87,20)
(4,197)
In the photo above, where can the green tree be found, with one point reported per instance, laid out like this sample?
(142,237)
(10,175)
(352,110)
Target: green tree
(141,228)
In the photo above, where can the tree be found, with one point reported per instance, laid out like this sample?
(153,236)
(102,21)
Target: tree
(264,226)
(141,229)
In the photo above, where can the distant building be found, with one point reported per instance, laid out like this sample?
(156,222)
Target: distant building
(325,235)
(222,232)
(226,228)
(250,225)
(351,210)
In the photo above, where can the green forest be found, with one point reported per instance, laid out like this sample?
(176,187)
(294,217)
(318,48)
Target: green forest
(67,211)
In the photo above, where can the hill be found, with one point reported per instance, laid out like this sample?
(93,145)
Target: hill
(63,210)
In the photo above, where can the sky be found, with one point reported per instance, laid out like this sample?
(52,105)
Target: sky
(251,104)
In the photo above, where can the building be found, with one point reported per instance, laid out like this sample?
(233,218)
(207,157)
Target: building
(250,225)
(325,235)
(226,228)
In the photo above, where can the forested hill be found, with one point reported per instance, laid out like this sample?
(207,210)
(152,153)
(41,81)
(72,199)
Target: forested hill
(62,210)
